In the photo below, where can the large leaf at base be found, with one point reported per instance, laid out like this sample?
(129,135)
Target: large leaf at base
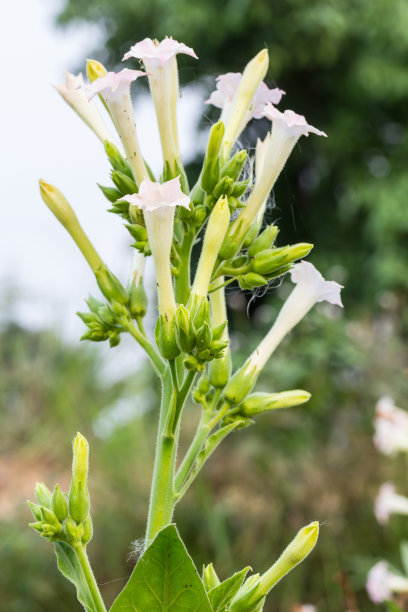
(69,567)
(222,595)
(164,580)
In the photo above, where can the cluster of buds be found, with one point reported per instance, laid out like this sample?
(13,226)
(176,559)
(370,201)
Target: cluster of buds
(61,517)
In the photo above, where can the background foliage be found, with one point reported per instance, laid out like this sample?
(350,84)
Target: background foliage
(343,64)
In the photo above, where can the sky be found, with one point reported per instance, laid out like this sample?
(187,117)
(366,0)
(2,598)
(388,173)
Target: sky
(43,138)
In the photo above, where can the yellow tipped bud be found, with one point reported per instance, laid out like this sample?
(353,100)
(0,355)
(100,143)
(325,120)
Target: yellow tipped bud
(214,235)
(95,70)
(252,77)
(300,547)
(58,205)
(80,458)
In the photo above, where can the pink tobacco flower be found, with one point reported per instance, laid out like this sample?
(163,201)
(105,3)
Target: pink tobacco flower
(391,427)
(389,502)
(148,49)
(227,87)
(296,125)
(114,84)
(381,583)
(153,195)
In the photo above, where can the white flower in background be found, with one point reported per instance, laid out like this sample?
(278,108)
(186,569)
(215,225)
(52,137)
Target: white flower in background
(381,583)
(114,88)
(158,202)
(160,61)
(389,502)
(73,93)
(391,427)
(226,89)
(310,288)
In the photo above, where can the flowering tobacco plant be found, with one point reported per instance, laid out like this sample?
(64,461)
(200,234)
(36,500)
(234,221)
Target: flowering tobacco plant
(224,213)
(391,437)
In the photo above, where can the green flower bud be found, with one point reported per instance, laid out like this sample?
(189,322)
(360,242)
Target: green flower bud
(35,509)
(93,304)
(249,281)
(265,262)
(251,234)
(204,355)
(87,530)
(199,215)
(210,173)
(217,347)
(49,517)
(233,167)
(232,241)
(219,330)
(73,531)
(106,316)
(37,526)
(239,261)
(117,160)
(240,188)
(210,578)
(59,504)
(220,370)
(137,300)
(191,363)
(110,193)
(110,286)
(215,140)
(224,187)
(264,241)
(200,312)
(166,339)
(203,336)
(114,338)
(203,385)
(78,494)
(88,318)
(79,503)
(257,403)
(184,330)
(241,384)
(123,183)
(138,232)
(43,494)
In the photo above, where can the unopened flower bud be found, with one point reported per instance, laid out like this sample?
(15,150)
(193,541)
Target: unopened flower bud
(210,578)
(59,504)
(123,182)
(249,281)
(35,509)
(110,193)
(220,370)
(184,329)
(224,187)
(241,384)
(49,517)
(110,286)
(73,531)
(78,494)
(233,167)
(87,530)
(43,494)
(167,341)
(257,403)
(203,336)
(117,160)
(240,188)
(264,241)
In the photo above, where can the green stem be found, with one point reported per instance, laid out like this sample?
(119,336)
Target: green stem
(158,363)
(182,281)
(162,493)
(191,455)
(89,577)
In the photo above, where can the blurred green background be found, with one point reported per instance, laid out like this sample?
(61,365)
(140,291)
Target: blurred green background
(344,64)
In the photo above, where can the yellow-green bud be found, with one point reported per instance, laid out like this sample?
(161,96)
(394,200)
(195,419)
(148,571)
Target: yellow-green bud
(184,329)
(220,370)
(264,241)
(257,403)
(110,286)
(241,384)
(233,167)
(224,187)
(265,262)
(137,299)
(166,337)
(210,578)
(118,162)
(35,509)
(78,494)
(49,517)
(200,311)
(42,494)
(87,530)
(123,182)
(58,205)
(59,504)
(95,70)
(249,281)
(203,337)
(73,531)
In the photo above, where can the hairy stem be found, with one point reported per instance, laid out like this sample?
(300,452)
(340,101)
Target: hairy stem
(82,557)
(157,361)
(182,281)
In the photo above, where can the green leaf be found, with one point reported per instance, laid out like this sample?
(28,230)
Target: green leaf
(69,567)
(222,595)
(392,607)
(164,580)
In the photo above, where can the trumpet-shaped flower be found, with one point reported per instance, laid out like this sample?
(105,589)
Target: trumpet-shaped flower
(226,88)
(114,85)
(381,583)
(114,88)
(310,288)
(161,65)
(148,50)
(73,93)
(389,502)
(287,128)
(391,427)
(158,202)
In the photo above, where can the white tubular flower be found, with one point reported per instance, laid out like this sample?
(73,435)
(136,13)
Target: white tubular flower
(226,89)
(158,202)
(389,502)
(73,94)
(114,88)
(381,583)
(310,288)
(391,427)
(161,65)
